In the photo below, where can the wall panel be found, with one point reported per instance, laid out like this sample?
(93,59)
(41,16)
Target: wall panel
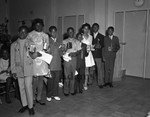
(135,36)
(119,19)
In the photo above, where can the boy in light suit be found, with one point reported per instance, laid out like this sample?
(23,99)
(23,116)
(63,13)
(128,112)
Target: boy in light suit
(22,69)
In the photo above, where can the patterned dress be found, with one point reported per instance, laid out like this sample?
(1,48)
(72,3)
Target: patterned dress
(39,40)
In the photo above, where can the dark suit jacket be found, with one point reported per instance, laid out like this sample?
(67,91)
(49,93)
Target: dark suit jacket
(98,51)
(115,46)
(80,60)
(56,52)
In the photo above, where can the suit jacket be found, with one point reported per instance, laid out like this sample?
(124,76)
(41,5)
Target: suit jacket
(81,56)
(108,43)
(21,67)
(98,51)
(56,52)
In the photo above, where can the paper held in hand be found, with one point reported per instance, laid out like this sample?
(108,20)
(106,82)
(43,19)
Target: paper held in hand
(45,57)
(66,57)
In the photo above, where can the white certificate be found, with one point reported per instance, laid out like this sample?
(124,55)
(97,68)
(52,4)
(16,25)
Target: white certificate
(66,57)
(45,57)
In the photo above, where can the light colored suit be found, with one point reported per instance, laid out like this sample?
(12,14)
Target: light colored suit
(23,67)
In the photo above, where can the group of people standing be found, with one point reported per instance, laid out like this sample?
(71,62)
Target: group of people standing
(80,58)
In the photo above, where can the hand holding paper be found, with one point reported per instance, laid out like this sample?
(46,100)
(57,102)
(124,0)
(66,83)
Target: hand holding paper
(45,57)
(66,57)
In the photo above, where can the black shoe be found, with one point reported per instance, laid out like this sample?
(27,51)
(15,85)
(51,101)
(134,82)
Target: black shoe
(23,109)
(31,111)
(73,93)
(110,85)
(89,84)
(100,86)
(66,94)
(106,84)
(40,102)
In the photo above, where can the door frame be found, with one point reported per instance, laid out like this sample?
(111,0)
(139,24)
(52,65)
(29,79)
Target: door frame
(146,39)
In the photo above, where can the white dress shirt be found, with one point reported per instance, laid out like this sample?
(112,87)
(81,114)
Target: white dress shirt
(111,37)
(95,34)
(54,39)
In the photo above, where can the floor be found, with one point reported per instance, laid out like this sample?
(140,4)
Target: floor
(130,97)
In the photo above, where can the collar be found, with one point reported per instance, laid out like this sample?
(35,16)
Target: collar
(95,34)
(111,37)
(21,40)
(54,39)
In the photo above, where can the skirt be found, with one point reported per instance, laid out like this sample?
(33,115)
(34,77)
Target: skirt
(89,60)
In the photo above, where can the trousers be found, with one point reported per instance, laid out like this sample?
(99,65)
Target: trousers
(26,91)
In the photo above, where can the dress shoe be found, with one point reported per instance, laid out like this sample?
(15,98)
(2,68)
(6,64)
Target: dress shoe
(110,85)
(100,86)
(31,111)
(23,109)
(66,94)
(57,98)
(73,93)
(106,84)
(49,99)
(40,102)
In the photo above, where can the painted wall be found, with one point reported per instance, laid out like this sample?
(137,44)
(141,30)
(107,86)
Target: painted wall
(93,10)
(76,7)
(101,14)
(3,11)
(29,9)
(122,5)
